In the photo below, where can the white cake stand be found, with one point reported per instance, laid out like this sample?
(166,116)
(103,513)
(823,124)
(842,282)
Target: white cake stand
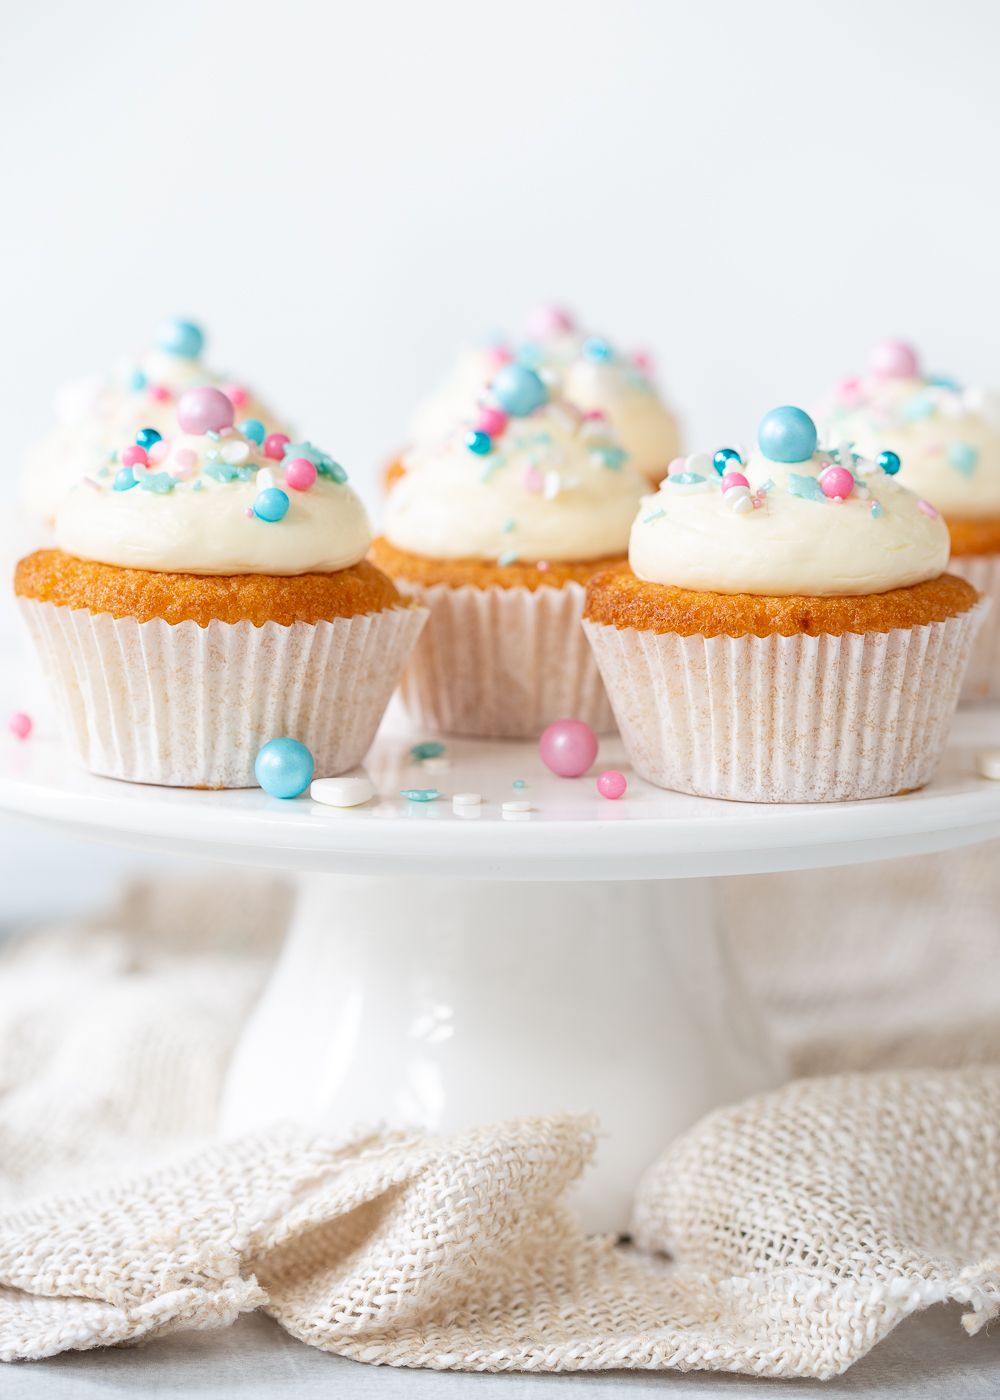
(447,967)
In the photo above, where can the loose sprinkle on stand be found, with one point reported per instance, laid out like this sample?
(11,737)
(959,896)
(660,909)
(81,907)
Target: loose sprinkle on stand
(430,749)
(519,783)
(466,799)
(419,794)
(515,806)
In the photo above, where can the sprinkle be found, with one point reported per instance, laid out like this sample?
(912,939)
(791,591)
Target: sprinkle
(159,482)
(145,437)
(265,479)
(768,486)
(721,460)
(158,392)
(478,442)
(542,566)
(419,794)
(519,783)
(920,406)
(988,764)
(654,515)
(962,457)
(927,509)
(508,525)
(430,749)
(807,487)
(596,350)
(507,557)
(492,464)
(137,380)
(876,509)
(531,480)
(158,451)
(235,452)
(211,433)
(196,486)
(685,478)
(89,481)
(324,464)
(515,806)
(699,463)
(220,471)
(466,799)
(184,457)
(249,512)
(105,471)
(612,457)
(213,454)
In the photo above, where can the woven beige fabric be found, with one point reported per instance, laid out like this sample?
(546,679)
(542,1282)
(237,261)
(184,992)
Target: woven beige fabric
(805,1224)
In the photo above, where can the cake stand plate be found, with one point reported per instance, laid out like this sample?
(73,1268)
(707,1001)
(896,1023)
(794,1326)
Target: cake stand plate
(448,966)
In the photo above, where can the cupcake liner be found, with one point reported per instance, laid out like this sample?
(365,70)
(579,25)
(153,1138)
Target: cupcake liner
(502,663)
(982,679)
(190,706)
(786,719)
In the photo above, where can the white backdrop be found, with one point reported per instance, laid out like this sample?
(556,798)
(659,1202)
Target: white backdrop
(345,194)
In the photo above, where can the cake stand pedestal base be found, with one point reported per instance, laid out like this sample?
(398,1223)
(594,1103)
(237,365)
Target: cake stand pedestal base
(446,1003)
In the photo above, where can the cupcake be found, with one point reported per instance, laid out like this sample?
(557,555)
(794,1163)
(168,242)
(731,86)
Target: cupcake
(584,370)
(497,528)
(210,595)
(945,442)
(787,632)
(96,416)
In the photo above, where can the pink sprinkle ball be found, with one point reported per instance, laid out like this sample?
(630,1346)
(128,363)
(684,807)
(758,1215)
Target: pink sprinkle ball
(204,410)
(678,465)
(568,747)
(531,480)
(159,392)
(235,393)
(274,445)
(491,421)
(734,479)
(134,456)
(837,482)
(611,784)
(893,359)
(19,724)
(546,322)
(299,473)
(158,451)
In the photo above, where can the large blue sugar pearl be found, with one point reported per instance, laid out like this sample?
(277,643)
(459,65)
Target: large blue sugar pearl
(271,504)
(180,338)
(889,462)
(253,429)
(284,767)
(787,435)
(519,391)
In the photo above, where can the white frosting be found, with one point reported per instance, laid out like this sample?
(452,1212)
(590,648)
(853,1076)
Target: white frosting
(690,536)
(616,387)
(96,417)
(947,439)
(543,492)
(201,526)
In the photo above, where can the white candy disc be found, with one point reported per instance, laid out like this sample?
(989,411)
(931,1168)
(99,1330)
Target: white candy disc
(988,763)
(516,806)
(466,799)
(341,792)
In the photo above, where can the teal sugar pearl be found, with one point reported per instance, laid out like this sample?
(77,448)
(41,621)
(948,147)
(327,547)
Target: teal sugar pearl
(271,504)
(284,767)
(596,350)
(478,443)
(889,462)
(145,437)
(787,435)
(727,459)
(180,338)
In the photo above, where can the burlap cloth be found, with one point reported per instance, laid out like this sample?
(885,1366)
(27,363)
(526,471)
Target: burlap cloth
(784,1236)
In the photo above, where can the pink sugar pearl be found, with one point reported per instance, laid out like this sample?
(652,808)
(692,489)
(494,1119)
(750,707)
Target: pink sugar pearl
(491,421)
(158,451)
(159,392)
(568,747)
(734,479)
(893,359)
(678,465)
(235,393)
(204,410)
(274,445)
(837,481)
(134,456)
(611,784)
(19,724)
(546,322)
(299,473)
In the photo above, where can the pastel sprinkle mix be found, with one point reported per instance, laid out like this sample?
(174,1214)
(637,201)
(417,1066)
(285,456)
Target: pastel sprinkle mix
(419,794)
(507,557)
(430,749)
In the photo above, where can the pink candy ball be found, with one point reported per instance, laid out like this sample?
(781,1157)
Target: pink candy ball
(235,393)
(678,465)
(546,322)
(19,724)
(892,359)
(274,445)
(299,473)
(491,421)
(204,410)
(837,481)
(568,747)
(134,456)
(158,392)
(611,784)
(734,479)
(158,451)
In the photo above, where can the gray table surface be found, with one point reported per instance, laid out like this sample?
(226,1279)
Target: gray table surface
(929,1355)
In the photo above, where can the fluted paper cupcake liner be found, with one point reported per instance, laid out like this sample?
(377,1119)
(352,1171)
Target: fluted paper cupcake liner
(190,706)
(786,719)
(982,679)
(502,663)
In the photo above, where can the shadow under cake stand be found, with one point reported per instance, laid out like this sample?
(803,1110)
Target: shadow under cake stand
(447,967)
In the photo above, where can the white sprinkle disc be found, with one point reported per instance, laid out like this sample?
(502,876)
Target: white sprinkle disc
(988,763)
(516,806)
(341,792)
(466,799)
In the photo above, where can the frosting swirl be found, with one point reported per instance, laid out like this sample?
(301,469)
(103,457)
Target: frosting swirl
(946,437)
(781,534)
(210,504)
(553,486)
(97,415)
